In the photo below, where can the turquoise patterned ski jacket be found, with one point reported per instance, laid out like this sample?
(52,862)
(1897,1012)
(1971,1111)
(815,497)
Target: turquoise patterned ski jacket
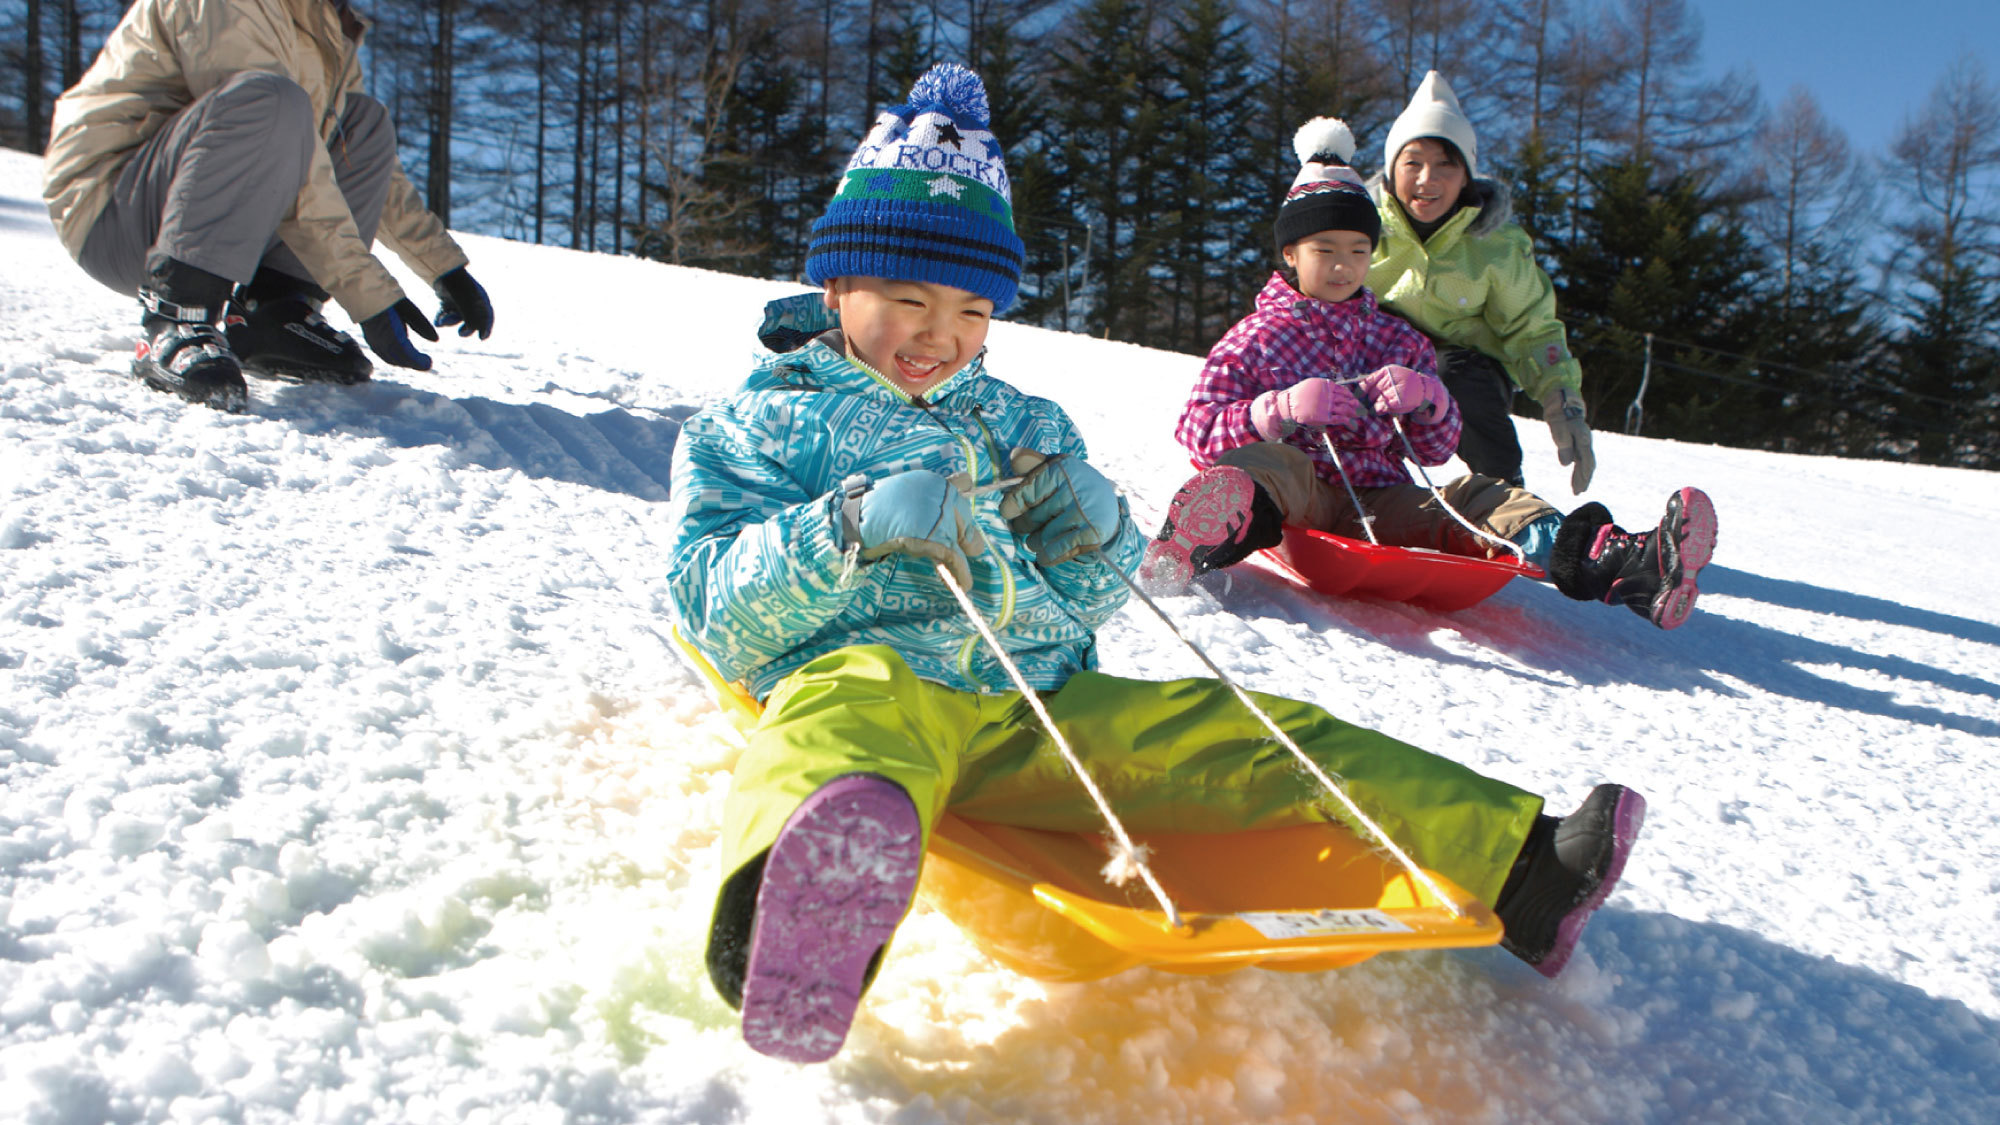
(760,582)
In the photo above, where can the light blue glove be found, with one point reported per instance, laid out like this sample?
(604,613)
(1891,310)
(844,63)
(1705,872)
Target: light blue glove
(1062,508)
(917,513)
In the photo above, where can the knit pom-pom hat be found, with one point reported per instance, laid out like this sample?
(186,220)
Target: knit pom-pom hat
(925,197)
(1433,112)
(1327,193)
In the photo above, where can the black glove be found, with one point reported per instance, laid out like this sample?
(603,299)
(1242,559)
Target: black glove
(386,334)
(463,303)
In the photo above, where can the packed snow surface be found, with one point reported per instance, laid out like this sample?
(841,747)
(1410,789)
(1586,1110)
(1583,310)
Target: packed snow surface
(346,773)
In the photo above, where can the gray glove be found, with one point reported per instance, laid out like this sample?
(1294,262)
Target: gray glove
(1063,506)
(1562,409)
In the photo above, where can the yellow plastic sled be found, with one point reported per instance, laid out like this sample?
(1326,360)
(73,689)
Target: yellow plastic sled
(1298,899)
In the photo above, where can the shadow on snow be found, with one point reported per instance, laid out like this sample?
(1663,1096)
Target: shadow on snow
(1659,1019)
(1536,627)
(616,450)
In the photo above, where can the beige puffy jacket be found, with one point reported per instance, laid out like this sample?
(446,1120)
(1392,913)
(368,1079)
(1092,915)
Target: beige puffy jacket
(166,53)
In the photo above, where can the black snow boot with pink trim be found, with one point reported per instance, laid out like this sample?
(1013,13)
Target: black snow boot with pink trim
(1216,520)
(1652,573)
(1565,871)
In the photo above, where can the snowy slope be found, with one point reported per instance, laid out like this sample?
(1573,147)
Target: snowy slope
(345,774)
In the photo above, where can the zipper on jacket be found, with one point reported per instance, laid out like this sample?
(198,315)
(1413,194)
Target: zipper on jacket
(1002,468)
(1009,594)
(347,52)
(969,649)
(1008,591)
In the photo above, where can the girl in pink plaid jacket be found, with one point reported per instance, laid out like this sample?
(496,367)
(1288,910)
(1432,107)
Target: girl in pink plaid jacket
(1318,384)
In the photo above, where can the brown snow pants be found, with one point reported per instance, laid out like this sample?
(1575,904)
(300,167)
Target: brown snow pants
(1406,515)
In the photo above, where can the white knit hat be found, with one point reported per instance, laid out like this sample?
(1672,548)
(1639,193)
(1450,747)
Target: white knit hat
(1433,112)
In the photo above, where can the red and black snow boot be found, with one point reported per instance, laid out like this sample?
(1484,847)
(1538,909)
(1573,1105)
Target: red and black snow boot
(1653,573)
(181,351)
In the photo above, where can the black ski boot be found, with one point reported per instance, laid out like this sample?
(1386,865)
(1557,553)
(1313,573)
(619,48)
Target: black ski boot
(1652,573)
(181,351)
(274,325)
(1565,872)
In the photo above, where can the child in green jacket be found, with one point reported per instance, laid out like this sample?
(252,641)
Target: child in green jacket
(824,513)
(1451,262)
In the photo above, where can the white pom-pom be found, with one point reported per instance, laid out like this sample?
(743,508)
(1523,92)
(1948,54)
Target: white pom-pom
(960,92)
(1323,138)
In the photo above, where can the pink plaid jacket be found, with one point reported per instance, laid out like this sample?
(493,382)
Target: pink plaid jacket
(1290,337)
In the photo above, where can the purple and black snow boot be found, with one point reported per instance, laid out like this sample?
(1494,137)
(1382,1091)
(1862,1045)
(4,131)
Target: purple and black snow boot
(1215,520)
(833,887)
(1564,873)
(1653,573)
(181,351)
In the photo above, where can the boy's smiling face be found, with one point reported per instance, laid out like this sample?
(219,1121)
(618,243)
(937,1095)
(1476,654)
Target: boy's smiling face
(1331,264)
(916,334)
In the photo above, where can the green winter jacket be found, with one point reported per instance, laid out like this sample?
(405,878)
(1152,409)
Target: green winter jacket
(1475,284)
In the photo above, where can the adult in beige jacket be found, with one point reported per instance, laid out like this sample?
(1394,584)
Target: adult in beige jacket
(220,161)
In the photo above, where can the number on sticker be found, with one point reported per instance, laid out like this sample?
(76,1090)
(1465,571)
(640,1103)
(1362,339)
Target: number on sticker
(1323,923)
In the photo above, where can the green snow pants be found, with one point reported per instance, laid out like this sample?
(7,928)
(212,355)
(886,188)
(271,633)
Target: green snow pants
(1179,756)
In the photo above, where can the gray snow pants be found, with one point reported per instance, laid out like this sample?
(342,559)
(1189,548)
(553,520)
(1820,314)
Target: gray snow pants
(211,188)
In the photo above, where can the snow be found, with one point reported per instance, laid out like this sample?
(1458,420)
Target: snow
(346,774)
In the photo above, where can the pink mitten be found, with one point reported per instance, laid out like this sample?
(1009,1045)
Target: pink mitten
(1396,389)
(1315,403)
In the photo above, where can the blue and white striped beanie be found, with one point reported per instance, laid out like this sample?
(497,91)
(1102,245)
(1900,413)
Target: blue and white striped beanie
(925,197)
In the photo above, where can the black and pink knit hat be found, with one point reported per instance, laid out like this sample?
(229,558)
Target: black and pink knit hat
(1327,194)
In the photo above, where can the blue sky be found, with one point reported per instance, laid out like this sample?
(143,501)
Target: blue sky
(1870,65)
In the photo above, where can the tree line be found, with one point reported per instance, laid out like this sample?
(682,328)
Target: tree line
(1730,269)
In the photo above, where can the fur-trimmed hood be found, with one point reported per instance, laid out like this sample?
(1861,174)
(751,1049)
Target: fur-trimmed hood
(1494,199)
(1474,282)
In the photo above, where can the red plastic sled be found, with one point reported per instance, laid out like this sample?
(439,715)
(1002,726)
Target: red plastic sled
(1335,564)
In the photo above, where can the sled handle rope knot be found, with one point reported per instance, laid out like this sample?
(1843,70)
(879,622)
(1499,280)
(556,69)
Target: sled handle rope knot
(1127,858)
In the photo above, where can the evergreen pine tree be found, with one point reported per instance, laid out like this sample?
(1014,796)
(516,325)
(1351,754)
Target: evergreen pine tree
(1541,202)
(1106,116)
(1324,64)
(1821,336)
(1660,254)
(1006,57)
(1212,244)
(1948,357)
